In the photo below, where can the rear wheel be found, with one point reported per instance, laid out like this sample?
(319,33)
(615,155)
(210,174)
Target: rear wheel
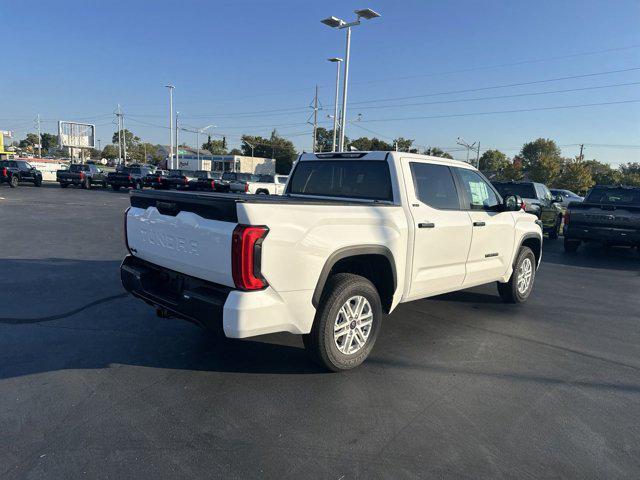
(37,182)
(520,285)
(347,323)
(555,232)
(87,184)
(115,188)
(571,246)
(64,184)
(13,183)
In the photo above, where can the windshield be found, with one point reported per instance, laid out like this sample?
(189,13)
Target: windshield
(366,179)
(202,174)
(265,178)
(78,168)
(175,173)
(614,196)
(524,190)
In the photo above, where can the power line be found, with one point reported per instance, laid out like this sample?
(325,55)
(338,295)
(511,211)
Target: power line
(492,87)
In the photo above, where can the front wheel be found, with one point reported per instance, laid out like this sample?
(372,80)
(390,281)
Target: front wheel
(555,232)
(63,185)
(347,323)
(13,183)
(37,182)
(115,188)
(520,285)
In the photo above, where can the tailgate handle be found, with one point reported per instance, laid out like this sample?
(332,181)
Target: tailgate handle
(167,208)
(479,224)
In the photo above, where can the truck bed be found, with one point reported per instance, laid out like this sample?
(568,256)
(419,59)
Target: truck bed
(222,206)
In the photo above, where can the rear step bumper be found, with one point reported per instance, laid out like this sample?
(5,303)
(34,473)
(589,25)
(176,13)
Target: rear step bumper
(240,314)
(183,296)
(613,235)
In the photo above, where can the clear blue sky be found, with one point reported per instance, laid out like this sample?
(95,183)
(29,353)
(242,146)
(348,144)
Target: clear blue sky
(76,60)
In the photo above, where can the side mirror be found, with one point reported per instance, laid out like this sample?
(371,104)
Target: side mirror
(557,199)
(512,203)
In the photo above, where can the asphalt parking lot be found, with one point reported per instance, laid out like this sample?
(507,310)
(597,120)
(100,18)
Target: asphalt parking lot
(94,385)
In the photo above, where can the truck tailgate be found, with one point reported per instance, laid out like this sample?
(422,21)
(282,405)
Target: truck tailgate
(188,233)
(603,215)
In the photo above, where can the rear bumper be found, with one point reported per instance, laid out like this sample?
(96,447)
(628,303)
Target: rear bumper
(241,314)
(612,235)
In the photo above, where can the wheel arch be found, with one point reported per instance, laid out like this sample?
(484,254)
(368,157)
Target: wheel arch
(534,242)
(374,262)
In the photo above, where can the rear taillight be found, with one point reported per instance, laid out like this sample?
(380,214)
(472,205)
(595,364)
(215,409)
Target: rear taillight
(129,177)
(185,181)
(246,257)
(4,172)
(213,184)
(126,237)
(159,179)
(523,206)
(246,187)
(81,175)
(566,217)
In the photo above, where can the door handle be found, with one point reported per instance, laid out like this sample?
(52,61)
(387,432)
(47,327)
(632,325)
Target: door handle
(479,224)
(426,225)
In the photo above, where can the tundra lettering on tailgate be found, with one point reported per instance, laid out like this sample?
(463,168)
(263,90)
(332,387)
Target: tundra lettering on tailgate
(179,244)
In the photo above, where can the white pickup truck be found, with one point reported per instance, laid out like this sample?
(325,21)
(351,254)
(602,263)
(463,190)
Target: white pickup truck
(354,235)
(259,185)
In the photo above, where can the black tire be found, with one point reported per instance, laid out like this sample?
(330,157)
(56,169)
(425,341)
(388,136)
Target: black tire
(509,291)
(87,184)
(13,183)
(104,184)
(555,232)
(320,342)
(137,186)
(116,188)
(571,246)
(262,192)
(63,185)
(37,182)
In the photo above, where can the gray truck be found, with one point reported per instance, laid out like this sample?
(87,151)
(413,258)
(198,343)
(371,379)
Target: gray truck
(609,215)
(81,175)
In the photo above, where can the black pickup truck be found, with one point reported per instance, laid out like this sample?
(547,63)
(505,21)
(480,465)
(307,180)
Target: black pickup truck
(608,214)
(205,180)
(82,175)
(154,179)
(15,171)
(179,178)
(125,177)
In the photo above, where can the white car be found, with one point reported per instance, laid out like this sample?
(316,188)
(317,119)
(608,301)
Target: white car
(354,235)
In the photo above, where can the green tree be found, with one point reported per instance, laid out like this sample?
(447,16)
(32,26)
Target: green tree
(110,152)
(236,151)
(511,172)
(630,173)
(324,140)
(575,176)
(129,139)
(29,141)
(545,169)
(275,146)
(437,152)
(493,161)
(216,147)
(404,145)
(603,174)
(365,144)
(49,142)
(536,151)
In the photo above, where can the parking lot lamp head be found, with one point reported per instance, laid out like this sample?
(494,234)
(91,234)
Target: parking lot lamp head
(366,13)
(333,22)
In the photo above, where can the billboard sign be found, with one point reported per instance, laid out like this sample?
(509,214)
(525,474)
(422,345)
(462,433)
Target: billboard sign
(76,135)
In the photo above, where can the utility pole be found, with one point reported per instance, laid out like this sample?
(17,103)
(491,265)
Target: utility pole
(478,156)
(177,162)
(39,137)
(118,114)
(170,160)
(581,148)
(315,121)
(462,143)
(337,61)
(124,145)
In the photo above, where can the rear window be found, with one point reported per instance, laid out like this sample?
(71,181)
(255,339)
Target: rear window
(228,176)
(366,179)
(78,168)
(524,190)
(175,173)
(265,178)
(615,196)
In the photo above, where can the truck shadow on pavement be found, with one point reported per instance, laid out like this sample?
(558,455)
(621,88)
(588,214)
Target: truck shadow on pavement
(98,325)
(592,255)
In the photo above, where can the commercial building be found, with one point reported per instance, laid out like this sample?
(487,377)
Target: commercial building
(188,160)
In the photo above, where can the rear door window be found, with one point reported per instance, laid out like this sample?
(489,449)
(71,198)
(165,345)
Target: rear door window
(434,185)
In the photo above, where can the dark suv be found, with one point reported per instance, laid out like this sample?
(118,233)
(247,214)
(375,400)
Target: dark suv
(539,201)
(15,171)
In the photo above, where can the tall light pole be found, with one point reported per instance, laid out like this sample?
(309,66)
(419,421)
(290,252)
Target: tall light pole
(337,61)
(171,88)
(338,23)
(177,159)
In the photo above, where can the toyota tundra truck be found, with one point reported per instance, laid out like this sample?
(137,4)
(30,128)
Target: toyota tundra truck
(354,235)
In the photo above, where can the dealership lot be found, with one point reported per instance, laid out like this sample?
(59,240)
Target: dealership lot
(93,384)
